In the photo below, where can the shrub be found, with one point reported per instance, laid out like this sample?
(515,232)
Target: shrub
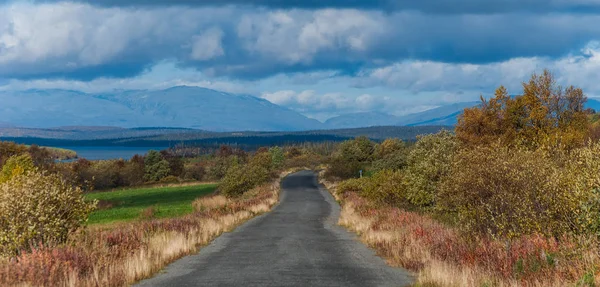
(8,149)
(277,157)
(383,187)
(511,192)
(220,165)
(360,149)
(428,162)
(241,178)
(16,165)
(106,174)
(195,171)
(343,169)
(38,208)
(133,172)
(394,161)
(237,181)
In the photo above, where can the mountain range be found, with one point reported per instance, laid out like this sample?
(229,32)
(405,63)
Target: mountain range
(194,108)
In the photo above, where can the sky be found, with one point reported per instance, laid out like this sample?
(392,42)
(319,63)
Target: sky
(320,58)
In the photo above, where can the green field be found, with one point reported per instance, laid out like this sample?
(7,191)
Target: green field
(129,204)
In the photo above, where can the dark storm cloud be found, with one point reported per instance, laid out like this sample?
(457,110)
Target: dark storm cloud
(427,6)
(84,42)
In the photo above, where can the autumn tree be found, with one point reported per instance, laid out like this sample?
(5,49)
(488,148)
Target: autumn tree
(545,115)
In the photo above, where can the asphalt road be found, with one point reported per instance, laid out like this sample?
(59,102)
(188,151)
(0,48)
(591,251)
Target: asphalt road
(296,244)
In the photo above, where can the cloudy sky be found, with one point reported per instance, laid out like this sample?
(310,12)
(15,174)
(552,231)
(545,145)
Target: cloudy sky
(321,58)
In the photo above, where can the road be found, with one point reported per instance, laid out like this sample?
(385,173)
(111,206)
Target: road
(298,243)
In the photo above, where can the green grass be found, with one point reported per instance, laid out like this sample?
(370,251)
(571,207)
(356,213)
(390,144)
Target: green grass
(128,204)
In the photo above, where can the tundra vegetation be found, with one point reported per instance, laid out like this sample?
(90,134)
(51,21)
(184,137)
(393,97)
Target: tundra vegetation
(511,197)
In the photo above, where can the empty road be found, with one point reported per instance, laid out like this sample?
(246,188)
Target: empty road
(296,244)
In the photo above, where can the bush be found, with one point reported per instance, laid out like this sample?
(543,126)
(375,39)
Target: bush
(360,149)
(428,162)
(38,208)
(383,187)
(394,161)
(241,178)
(344,169)
(508,192)
(194,171)
(105,174)
(220,165)
(16,165)
(351,157)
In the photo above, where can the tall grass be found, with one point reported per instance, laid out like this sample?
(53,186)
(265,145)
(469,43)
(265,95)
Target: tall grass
(442,256)
(134,251)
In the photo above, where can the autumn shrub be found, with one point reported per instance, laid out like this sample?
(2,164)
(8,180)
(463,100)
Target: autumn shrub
(508,192)
(132,173)
(241,178)
(584,166)
(106,174)
(16,165)
(428,163)
(218,167)
(37,208)
(195,171)
(382,187)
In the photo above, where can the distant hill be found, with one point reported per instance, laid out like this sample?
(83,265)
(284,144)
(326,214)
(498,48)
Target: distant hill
(369,119)
(440,116)
(182,107)
(153,137)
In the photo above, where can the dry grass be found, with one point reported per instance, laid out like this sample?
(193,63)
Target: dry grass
(442,256)
(130,252)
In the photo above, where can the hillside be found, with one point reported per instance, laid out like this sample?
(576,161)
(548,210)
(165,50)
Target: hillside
(181,107)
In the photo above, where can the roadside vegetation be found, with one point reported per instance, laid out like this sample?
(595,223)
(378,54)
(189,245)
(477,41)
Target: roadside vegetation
(166,206)
(509,198)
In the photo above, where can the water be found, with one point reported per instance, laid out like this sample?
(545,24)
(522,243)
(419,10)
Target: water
(110,152)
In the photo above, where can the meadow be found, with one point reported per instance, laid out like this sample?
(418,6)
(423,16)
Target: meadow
(146,203)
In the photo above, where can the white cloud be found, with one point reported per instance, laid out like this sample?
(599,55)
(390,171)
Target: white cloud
(208,45)
(297,36)
(580,69)
(161,76)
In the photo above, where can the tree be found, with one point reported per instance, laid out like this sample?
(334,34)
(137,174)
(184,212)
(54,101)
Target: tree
(277,156)
(156,168)
(545,115)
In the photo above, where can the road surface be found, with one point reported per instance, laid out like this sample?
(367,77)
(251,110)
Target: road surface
(297,244)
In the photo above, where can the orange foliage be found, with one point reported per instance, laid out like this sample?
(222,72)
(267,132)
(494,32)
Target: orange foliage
(544,115)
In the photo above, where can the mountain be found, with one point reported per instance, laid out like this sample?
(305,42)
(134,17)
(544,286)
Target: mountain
(445,115)
(356,120)
(182,107)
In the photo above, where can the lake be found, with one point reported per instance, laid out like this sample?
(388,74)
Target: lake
(110,152)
